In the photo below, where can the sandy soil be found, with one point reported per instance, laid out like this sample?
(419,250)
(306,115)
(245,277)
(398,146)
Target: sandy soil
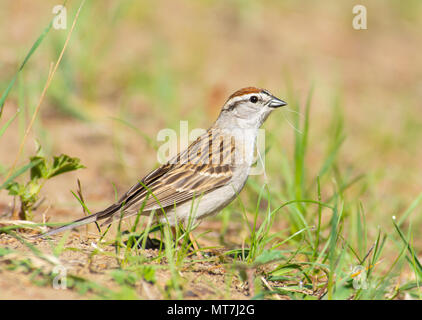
(205,280)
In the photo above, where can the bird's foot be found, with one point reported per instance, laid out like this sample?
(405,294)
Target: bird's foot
(150,243)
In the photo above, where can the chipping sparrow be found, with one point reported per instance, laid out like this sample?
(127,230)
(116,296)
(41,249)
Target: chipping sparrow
(203,179)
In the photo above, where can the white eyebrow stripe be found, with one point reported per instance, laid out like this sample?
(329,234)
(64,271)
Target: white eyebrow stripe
(240,98)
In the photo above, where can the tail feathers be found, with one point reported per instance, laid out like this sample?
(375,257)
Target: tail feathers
(83,221)
(74,224)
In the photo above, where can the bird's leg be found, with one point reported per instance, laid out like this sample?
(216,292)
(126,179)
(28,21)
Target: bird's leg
(174,232)
(152,243)
(192,241)
(195,245)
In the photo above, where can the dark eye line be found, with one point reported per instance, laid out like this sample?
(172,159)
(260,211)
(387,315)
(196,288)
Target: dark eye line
(233,105)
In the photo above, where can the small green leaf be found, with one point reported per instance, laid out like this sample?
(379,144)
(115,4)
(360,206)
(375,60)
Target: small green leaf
(39,170)
(64,163)
(33,188)
(13,188)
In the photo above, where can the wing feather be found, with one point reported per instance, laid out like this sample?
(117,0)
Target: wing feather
(196,171)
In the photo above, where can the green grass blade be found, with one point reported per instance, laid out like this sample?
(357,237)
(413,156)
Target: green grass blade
(20,171)
(7,124)
(27,57)
(416,263)
(409,210)
(25,60)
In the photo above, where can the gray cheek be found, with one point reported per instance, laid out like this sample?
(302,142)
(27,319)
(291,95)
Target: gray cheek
(264,114)
(247,111)
(242,113)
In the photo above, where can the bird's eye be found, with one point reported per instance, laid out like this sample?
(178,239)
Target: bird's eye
(253,99)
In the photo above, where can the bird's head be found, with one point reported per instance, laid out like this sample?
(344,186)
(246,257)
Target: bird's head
(248,108)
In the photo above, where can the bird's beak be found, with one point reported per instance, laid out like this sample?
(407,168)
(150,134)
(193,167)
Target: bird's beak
(276,102)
